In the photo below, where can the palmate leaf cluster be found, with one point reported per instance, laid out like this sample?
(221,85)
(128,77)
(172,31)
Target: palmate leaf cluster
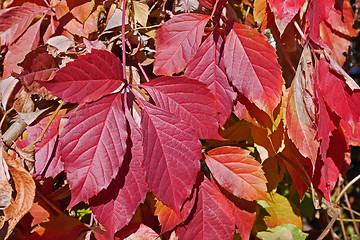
(174,119)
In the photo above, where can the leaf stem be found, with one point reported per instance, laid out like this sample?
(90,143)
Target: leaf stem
(299,30)
(39,139)
(187,7)
(4,117)
(123,40)
(138,63)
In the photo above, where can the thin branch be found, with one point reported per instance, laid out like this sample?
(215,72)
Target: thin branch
(351,210)
(346,188)
(356,228)
(343,229)
(328,227)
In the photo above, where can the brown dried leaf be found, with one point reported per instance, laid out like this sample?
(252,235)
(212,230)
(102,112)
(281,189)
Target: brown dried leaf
(5,188)
(25,193)
(7,86)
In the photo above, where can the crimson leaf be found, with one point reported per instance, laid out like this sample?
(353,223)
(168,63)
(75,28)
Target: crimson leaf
(251,65)
(171,156)
(93,145)
(189,100)
(213,218)
(88,78)
(177,41)
(208,66)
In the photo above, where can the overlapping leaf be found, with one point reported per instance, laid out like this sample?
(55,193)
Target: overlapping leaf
(17,51)
(244,221)
(237,172)
(168,218)
(177,42)
(251,65)
(14,21)
(338,95)
(336,161)
(88,78)
(285,11)
(189,100)
(281,211)
(44,149)
(213,218)
(93,145)
(317,12)
(208,66)
(115,206)
(300,112)
(171,156)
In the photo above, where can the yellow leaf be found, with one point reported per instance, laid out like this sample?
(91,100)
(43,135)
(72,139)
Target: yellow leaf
(141,12)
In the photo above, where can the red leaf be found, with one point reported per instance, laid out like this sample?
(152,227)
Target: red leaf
(208,66)
(238,172)
(45,148)
(345,25)
(285,11)
(338,95)
(93,145)
(88,78)
(115,206)
(17,51)
(300,112)
(171,156)
(14,21)
(244,221)
(177,42)
(325,125)
(298,166)
(336,161)
(317,12)
(189,100)
(213,218)
(353,135)
(251,65)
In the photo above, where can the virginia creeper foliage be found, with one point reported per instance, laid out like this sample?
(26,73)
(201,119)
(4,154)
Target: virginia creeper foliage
(163,120)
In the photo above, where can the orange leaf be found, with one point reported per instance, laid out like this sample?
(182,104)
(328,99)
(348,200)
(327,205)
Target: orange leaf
(237,172)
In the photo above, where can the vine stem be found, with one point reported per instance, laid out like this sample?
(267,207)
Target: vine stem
(328,227)
(123,39)
(346,188)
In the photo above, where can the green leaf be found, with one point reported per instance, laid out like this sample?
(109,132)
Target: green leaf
(283,232)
